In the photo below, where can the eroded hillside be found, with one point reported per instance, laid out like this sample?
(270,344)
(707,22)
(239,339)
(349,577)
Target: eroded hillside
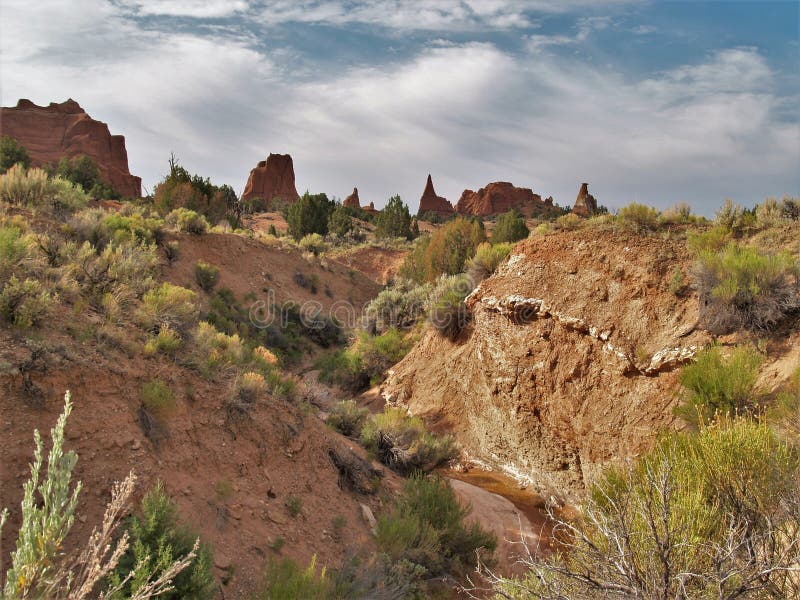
(571,359)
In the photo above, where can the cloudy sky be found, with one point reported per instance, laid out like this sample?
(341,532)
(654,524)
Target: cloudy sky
(650,101)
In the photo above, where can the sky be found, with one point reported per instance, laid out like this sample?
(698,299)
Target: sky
(647,101)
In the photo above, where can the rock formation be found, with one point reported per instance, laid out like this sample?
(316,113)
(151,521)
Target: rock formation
(499,197)
(272,179)
(52,132)
(352,200)
(430,202)
(370,208)
(585,203)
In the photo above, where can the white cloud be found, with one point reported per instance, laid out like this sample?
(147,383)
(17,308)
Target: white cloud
(200,9)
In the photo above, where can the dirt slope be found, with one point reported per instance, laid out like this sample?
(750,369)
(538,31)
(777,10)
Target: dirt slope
(570,361)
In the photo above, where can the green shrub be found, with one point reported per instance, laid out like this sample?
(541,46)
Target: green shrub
(250,386)
(486,260)
(214,350)
(510,227)
(24,303)
(12,153)
(677,282)
(427,528)
(451,246)
(347,417)
(313,242)
(680,212)
(568,222)
(157,538)
(206,276)
(742,287)
(785,412)
(309,215)
(272,231)
(638,217)
(732,217)
(168,306)
(83,172)
(188,221)
(400,306)
(34,189)
(340,222)
(294,505)
(180,189)
(284,580)
(448,313)
(713,239)
(716,385)
(17,252)
(394,221)
(402,443)
(157,397)
(166,341)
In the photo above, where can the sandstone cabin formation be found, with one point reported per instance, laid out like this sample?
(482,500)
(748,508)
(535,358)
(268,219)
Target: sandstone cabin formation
(272,179)
(52,132)
(431,203)
(585,203)
(352,200)
(499,197)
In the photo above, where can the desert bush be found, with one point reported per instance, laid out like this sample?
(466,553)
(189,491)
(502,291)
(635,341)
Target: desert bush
(157,538)
(34,189)
(206,276)
(180,189)
(24,303)
(84,173)
(39,566)
(679,212)
(12,153)
(294,504)
(171,251)
(568,222)
(769,213)
(17,252)
(413,267)
(285,580)
(448,314)
(790,208)
(165,341)
(401,442)
(394,221)
(451,246)
(170,306)
(101,228)
(400,306)
(250,386)
(717,385)
(347,417)
(188,221)
(712,515)
(638,217)
(713,239)
(309,215)
(486,260)
(743,287)
(340,222)
(510,227)
(214,350)
(157,397)
(732,217)
(785,412)
(314,243)
(426,528)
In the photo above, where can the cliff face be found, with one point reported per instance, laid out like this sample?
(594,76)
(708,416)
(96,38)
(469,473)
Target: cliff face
(430,202)
(272,179)
(52,132)
(498,197)
(352,200)
(570,361)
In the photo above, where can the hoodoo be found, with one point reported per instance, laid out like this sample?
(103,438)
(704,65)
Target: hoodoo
(50,133)
(431,203)
(585,203)
(272,179)
(499,197)
(352,200)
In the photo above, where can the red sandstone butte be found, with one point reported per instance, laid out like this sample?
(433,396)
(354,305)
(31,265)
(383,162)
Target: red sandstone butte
(370,208)
(430,202)
(585,203)
(52,132)
(496,198)
(272,179)
(352,200)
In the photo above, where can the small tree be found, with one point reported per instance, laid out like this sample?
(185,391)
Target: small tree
(510,227)
(308,215)
(12,153)
(394,220)
(340,222)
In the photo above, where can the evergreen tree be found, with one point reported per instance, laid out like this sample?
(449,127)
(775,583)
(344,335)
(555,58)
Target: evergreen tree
(394,220)
(510,227)
(308,215)
(12,153)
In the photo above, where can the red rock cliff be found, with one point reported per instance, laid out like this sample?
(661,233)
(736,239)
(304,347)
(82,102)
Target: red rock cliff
(430,202)
(51,132)
(352,200)
(585,203)
(496,198)
(272,178)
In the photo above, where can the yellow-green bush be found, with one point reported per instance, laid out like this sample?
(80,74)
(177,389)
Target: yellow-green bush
(347,417)
(24,303)
(486,260)
(638,217)
(314,243)
(170,306)
(206,275)
(34,189)
(184,219)
(448,313)
(165,341)
(157,398)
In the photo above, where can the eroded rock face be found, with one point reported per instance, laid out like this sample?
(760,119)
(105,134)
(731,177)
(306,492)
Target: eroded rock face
(52,132)
(430,202)
(272,179)
(570,363)
(496,198)
(352,200)
(370,208)
(585,203)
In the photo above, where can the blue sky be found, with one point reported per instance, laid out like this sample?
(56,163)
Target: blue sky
(657,102)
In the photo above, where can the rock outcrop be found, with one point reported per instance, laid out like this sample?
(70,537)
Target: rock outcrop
(585,203)
(499,197)
(570,363)
(272,179)
(431,203)
(370,208)
(352,200)
(52,132)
